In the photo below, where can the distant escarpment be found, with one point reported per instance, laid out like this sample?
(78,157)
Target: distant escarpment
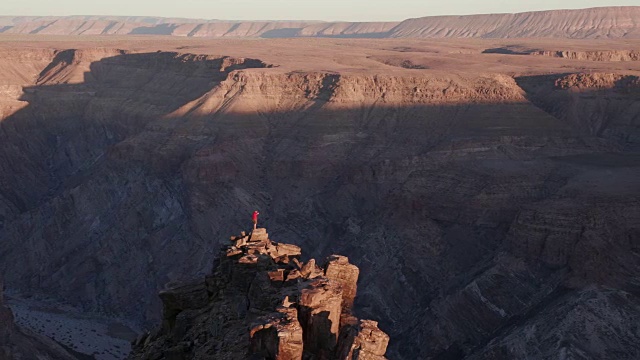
(604,22)
(262,302)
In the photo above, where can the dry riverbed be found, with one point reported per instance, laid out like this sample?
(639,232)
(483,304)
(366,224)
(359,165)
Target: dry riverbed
(96,337)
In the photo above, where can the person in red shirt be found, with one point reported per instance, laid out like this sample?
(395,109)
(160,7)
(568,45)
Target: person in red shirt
(255,219)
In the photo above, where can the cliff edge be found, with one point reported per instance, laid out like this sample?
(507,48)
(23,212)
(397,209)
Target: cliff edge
(262,302)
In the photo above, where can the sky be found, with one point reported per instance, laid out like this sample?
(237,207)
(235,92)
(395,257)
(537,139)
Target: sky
(329,10)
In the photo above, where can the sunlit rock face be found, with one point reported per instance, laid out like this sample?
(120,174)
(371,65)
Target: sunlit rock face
(262,302)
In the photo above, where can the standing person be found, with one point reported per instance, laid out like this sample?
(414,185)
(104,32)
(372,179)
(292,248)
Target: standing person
(255,219)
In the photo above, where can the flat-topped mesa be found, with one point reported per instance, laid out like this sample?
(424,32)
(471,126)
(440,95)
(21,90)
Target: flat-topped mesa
(279,307)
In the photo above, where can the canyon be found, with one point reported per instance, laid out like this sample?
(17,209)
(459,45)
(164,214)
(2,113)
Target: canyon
(487,189)
(594,23)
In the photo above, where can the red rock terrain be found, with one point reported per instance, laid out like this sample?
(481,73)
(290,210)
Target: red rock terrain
(488,199)
(595,23)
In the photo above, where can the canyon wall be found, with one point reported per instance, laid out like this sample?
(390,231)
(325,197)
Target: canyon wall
(599,104)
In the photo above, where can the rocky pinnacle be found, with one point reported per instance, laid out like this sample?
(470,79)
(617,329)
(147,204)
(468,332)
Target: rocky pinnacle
(262,302)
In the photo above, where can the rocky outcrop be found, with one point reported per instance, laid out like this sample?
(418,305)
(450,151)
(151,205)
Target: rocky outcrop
(339,269)
(320,310)
(294,310)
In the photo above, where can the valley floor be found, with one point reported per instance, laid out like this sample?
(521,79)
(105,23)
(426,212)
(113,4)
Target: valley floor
(97,337)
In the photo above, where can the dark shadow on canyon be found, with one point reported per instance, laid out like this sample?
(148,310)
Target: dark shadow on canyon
(372,35)
(290,33)
(162,29)
(281,33)
(503,51)
(606,111)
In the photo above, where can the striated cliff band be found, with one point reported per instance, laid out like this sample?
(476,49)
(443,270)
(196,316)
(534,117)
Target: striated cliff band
(594,23)
(489,201)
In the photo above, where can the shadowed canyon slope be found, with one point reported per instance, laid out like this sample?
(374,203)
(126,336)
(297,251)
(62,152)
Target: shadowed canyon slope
(490,201)
(605,22)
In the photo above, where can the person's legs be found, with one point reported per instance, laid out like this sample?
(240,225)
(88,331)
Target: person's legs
(255,224)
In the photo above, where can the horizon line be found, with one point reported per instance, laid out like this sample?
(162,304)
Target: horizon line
(318,21)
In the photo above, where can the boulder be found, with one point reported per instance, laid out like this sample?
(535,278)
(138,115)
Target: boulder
(241,241)
(288,250)
(259,234)
(277,276)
